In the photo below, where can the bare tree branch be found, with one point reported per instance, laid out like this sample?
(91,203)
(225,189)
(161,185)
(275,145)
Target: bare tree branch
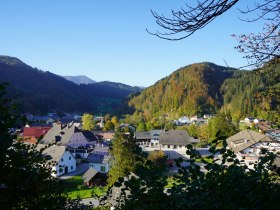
(191,19)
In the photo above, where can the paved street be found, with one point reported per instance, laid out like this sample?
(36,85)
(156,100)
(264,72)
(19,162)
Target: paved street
(90,201)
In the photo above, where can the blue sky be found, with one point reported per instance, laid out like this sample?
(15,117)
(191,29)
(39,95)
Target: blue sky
(107,40)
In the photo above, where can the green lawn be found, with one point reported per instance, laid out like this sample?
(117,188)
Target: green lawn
(75,188)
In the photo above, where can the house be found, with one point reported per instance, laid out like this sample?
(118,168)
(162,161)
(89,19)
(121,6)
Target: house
(60,134)
(193,118)
(92,177)
(174,139)
(148,138)
(248,144)
(69,135)
(208,116)
(105,135)
(174,143)
(274,134)
(249,120)
(99,158)
(32,134)
(265,126)
(62,161)
(184,120)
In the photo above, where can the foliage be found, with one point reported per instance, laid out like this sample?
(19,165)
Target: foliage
(141,127)
(75,188)
(169,126)
(88,122)
(44,92)
(109,125)
(221,127)
(115,120)
(122,154)
(192,130)
(157,157)
(220,181)
(254,93)
(187,91)
(26,181)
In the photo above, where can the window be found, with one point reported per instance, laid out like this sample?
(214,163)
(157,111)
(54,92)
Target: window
(61,159)
(70,158)
(168,146)
(102,168)
(174,146)
(71,167)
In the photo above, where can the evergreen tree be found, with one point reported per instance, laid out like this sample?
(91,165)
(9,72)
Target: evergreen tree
(123,158)
(25,176)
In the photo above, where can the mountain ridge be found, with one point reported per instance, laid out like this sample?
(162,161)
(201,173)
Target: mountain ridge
(42,91)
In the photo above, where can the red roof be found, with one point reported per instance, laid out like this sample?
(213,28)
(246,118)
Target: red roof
(35,131)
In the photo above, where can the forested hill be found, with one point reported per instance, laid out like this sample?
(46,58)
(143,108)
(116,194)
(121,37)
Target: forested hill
(207,88)
(194,89)
(40,92)
(254,93)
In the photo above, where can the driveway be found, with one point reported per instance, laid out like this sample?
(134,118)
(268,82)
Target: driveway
(80,169)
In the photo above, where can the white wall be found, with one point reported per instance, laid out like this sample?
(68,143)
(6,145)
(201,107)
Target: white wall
(97,167)
(67,160)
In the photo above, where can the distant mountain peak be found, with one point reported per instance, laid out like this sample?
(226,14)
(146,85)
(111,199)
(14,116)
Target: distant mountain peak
(12,61)
(79,79)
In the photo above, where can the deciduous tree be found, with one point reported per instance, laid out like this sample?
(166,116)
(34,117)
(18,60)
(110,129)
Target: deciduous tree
(88,122)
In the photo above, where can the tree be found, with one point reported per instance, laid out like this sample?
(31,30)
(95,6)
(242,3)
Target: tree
(227,184)
(122,154)
(192,130)
(109,125)
(170,125)
(88,122)
(258,48)
(115,120)
(141,127)
(221,127)
(25,177)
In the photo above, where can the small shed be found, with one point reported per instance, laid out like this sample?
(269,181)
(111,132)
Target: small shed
(92,177)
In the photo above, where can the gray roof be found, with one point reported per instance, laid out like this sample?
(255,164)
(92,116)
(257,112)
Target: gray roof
(245,139)
(142,135)
(153,134)
(99,155)
(59,134)
(89,174)
(156,133)
(175,137)
(54,152)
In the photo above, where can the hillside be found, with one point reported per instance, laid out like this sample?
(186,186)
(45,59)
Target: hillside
(194,89)
(208,88)
(254,93)
(40,92)
(80,79)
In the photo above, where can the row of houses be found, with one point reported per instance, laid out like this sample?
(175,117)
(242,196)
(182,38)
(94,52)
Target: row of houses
(71,143)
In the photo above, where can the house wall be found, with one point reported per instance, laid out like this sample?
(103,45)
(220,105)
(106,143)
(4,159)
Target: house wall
(67,160)
(77,140)
(97,167)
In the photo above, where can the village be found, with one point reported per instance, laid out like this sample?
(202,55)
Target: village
(74,151)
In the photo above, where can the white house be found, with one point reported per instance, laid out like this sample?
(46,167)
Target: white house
(248,144)
(99,159)
(62,161)
(184,120)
